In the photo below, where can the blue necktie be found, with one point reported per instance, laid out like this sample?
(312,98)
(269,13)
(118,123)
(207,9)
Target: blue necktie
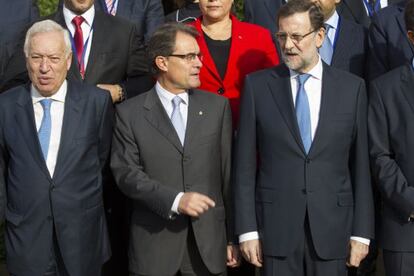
(303,113)
(177,119)
(326,51)
(45,127)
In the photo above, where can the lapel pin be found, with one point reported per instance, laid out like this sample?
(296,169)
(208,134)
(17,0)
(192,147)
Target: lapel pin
(200,113)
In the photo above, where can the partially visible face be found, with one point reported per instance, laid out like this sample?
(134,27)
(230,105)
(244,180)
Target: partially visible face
(47,63)
(179,74)
(303,55)
(78,6)
(215,10)
(327,7)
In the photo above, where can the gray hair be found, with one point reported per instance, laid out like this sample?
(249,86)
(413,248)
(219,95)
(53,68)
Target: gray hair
(47,26)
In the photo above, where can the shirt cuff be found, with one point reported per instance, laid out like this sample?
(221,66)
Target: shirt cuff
(249,236)
(361,240)
(174,207)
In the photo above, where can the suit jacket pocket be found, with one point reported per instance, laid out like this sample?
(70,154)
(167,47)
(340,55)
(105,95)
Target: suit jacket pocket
(13,218)
(345,199)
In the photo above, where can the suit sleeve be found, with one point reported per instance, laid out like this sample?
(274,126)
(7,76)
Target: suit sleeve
(391,181)
(245,164)
(154,17)
(363,225)
(129,173)
(377,53)
(226,139)
(105,132)
(138,79)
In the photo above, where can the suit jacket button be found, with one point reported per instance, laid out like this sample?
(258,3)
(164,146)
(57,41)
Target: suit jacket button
(307,160)
(52,187)
(304,191)
(220,91)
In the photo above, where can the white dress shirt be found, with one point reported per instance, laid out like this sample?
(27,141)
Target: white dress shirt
(333,22)
(57,109)
(383,3)
(86,26)
(166,98)
(313,89)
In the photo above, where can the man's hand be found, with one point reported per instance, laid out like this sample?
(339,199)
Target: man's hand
(113,89)
(233,255)
(357,252)
(194,204)
(252,252)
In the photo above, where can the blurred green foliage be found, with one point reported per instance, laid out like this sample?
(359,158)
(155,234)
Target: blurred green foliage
(47,7)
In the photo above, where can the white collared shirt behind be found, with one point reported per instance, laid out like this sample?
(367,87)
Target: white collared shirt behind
(86,26)
(57,110)
(166,100)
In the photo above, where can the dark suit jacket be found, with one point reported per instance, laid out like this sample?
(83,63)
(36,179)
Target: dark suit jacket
(390,119)
(355,10)
(117,58)
(70,202)
(263,13)
(15,16)
(350,48)
(151,167)
(147,15)
(389,46)
(331,184)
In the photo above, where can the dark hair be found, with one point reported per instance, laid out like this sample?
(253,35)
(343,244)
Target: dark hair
(299,6)
(162,42)
(409,15)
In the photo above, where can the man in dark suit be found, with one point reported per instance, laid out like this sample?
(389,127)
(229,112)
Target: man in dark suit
(147,15)
(15,16)
(389,46)
(55,137)
(345,43)
(303,199)
(109,53)
(361,11)
(171,155)
(391,145)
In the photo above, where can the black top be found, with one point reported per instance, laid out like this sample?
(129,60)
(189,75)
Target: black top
(189,13)
(219,51)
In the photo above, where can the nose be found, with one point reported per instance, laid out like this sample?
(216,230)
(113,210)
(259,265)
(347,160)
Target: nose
(44,65)
(288,43)
(197,62)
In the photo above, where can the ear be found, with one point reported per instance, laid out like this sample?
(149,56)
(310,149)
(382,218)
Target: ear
(320,36)
(162,63)
(69,61)
(410,35)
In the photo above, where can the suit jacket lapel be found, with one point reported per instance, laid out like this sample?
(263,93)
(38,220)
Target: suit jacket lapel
(124,8)
(159,119)
(282,94)
(329,102)
(194,118)
(341,44)
(27,124)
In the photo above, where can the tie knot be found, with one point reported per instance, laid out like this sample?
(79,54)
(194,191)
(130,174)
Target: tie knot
(46,103)
(78,20)
(303,78)
(176,101)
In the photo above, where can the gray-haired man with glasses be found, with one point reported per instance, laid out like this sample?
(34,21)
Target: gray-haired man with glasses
(303,199)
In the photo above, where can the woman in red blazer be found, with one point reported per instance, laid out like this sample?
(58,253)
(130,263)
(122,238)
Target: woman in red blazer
(231,49)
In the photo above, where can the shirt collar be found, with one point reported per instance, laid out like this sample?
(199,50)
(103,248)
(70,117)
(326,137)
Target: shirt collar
(59,96)
(315,72)
(88,15)
(168,96)
(333,20)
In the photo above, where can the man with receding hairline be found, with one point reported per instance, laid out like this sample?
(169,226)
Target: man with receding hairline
(54,143)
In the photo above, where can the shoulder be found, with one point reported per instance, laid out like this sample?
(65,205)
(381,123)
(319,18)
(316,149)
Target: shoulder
(393,77)
(277,72)
(13,94)
(341,76)
(353,27)
(251,29)
(112,22)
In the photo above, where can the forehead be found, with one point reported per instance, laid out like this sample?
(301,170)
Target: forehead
(185,43)
(49,42)
(295,23)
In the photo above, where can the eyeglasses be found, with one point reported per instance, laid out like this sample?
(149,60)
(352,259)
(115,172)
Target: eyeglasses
(189,57)
(296,38)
